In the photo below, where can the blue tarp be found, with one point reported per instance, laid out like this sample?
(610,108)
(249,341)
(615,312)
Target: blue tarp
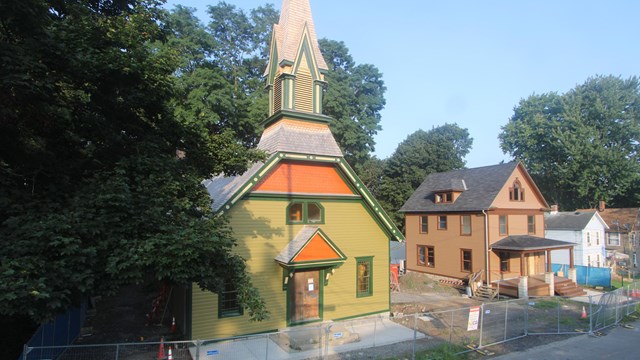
(586,275)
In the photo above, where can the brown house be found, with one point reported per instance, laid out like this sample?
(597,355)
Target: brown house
(487,221)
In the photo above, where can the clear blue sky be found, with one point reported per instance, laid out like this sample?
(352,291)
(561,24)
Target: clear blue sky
(470,62)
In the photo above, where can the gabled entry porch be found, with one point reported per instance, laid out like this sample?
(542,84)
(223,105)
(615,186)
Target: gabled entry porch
(531,256)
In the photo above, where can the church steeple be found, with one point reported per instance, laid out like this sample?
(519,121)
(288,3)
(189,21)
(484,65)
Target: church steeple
(295,73)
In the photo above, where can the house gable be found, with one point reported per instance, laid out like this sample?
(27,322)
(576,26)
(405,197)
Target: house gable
(527,195)
(289,177)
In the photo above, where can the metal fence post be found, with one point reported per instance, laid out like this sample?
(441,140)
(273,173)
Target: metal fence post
(481,324)
(117,351)
(451,328)
(558,311)
(415,335)
(198,343)
(266,355)
(506,317)
(25,351)
(590,315)
(526,316)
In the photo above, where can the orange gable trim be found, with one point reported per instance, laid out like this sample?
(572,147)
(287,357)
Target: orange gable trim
(317,249)
(305,178)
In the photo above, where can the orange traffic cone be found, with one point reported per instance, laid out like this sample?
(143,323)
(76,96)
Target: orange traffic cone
(582,316)
(170,355)
(161,350)
(173,325)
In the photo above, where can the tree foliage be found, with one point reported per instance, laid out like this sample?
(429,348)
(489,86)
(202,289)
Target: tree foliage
(582,146)
(354,99)
(92,194)
(440,149)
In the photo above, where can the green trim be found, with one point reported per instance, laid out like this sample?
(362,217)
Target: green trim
(369,260)
(305,48)
(222,314)
(362,315)
(273,57)
(297,115)
(330,262)
(289,197)
(371,204)
(305,213)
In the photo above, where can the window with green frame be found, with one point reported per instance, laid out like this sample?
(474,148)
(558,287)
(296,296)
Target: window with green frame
(228,304)
(364,276)
(305,212)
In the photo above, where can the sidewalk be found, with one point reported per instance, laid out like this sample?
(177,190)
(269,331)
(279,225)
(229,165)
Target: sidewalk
(617,343)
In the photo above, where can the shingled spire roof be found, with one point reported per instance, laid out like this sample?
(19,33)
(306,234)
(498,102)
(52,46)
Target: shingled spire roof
(294,15)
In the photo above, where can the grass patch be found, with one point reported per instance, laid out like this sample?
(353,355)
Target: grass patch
(440,352)
(545,304)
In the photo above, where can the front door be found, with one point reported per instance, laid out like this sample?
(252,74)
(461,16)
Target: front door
(304,296)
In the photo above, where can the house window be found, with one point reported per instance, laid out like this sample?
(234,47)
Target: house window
(445,197)
(305,213)
(364,276)
(614,239)
(635,264)
(531,224)
(465,256)
(426,256)
(597,238)
(504,228)
(633,239)
(588,260)
(588,238)
(598,259)
(516,193)
(504,261)
(228,304)
(424,224)
(442,222)
(465,225)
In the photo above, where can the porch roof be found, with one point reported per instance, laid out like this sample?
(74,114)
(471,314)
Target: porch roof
(528,243)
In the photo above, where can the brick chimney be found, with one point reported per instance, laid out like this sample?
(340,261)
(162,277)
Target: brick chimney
(601,206)
(554,209)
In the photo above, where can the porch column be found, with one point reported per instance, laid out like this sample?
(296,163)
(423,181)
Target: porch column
(548,260)
(571,265)
(522,264)
(573,275)
(523,287)
(550,280)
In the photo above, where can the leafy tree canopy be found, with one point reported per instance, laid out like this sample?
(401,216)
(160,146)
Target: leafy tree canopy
(582,146)
(354,99)
(92,194)
(440,149)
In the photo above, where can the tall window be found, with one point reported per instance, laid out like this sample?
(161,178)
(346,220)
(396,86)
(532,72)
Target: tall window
(228,304)
(504,226)
(516,193)
(305,213)
(424,224)
(426,256)
(597,237)
(442,222)
(588,238)
(465,225)
(504,261)
(614,239)
(531,224)
(465,256)
(364,276)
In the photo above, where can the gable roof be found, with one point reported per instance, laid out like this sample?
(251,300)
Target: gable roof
(619,219)
(479,187)
(323,250)
(570,220)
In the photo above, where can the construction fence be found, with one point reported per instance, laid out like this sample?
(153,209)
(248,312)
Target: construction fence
(402,335)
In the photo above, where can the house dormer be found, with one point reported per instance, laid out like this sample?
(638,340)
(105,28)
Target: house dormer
(450,194)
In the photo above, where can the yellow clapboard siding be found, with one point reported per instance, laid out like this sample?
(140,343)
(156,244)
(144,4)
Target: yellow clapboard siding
(261,229)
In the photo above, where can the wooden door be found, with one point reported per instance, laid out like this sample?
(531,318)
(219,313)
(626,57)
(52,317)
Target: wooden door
(304,296)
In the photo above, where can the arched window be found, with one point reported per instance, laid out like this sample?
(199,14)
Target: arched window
(302,212)
(516,193)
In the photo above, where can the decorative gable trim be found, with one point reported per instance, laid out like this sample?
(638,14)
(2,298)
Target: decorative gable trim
(372,205)
(310,246)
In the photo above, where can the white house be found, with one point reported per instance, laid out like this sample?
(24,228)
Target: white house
(585,229)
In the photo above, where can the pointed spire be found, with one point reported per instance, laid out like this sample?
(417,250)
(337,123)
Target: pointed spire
(294,15)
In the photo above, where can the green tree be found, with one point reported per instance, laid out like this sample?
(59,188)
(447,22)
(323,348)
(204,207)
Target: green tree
(92,194)
(354,99)
(442,148)
(582,146)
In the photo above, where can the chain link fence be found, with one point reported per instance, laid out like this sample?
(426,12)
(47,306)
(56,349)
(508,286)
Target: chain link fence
(382,336)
